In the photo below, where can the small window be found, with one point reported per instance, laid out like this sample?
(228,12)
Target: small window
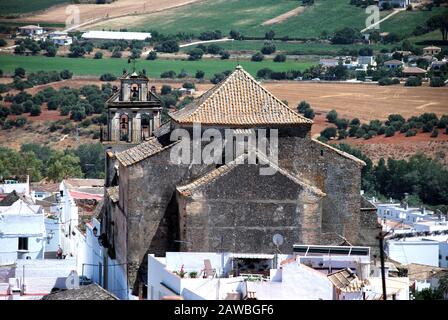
(446,258)
(321,152)
(23,243)
(440,257)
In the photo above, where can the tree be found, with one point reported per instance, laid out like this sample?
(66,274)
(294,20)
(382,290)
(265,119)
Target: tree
(268,48)
(91,160)
(116,53)
(309,113)
(235,35)
(329,133)
(19,72)
(195,54)
(269,35)
(76,51)
(439,22)
(35,110)
(64,165)
(166,89)
(98,55)
(303,106)
(17,109)
(189,85)
(332,116)
(51,51)
(108,77)
(168,74)
(78,112)
(169,46)
(435,133)
(257,57)
(66,74)
(152,56)
(413,82)
(214,49)
(199,74)
(3,42)
(346,36)
(225,55)
(390,131)
(280,58)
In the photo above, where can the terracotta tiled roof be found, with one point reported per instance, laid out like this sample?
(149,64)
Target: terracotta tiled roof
(394,61)
(89,292)
(238,100)
(413,70)
(346,280)
(188,189)
(139,152)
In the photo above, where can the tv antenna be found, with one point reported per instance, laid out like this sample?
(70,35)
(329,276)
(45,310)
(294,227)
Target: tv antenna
(278,240)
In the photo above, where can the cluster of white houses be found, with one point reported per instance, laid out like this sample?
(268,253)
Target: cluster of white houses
(62,38)
(36,220)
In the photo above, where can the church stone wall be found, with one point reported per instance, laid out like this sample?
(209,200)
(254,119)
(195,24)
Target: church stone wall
(242,210)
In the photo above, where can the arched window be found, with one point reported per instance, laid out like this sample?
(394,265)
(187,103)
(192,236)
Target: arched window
(124,127)
(146,126)
(134,92)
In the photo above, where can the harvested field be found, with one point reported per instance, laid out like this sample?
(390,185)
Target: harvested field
(285,16)
(57,14)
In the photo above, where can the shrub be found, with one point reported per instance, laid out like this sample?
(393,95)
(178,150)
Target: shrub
(225,55)
(35,110)
(4,112)
(303,106)
(413,82)
(183,74)
(66,74)
(169,46)
(341,123)
(360,132)
(257,57)
(166,89)
(390,131)
(264,73)
(195,54)
(437,82)
(2,42)
(388,81)
(53,103)
(342,134)
(98,55)
(199,74)
(268,48)
(435,133)
(189,85)
(214,49)
(168,74)
(280,58)
(51,51)
(309,113)
(411,133)
(332,116)
(193,274)
(77,113)
(27,105)
(328,133)
(21,121)
(17,108)
(108,77)
(19,72)
(152,56)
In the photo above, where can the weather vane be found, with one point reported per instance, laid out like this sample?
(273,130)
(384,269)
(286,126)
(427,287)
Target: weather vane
(133,62)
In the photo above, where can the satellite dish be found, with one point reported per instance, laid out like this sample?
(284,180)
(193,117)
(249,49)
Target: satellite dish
(277,239)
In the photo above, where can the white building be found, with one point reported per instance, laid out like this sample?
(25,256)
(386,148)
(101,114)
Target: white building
(115,35)
(395,3)
(410,250)
(62,40)
(31,30)
(8,186)
(397,212)
(366,60)
(22,232)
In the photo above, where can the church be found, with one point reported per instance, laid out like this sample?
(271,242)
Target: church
(153,205)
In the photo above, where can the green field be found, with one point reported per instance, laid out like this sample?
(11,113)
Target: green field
(25,6)
(310,48)
(83,66)
(247,16)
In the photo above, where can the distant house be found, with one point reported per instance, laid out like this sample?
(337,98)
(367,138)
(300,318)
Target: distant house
(431,51)
(31,30)
(393,64)
(60,38)
(394,3)
(414,71)
(366,60)
(329,62)
(437,65)
(22,230)
(115,35)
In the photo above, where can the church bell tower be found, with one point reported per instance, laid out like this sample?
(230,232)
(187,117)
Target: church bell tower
(133,111)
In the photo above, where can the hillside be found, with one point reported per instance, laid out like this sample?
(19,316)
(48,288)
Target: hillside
(251,16)
(8,7)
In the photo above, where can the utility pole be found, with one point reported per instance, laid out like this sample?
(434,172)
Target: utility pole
(383,276)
